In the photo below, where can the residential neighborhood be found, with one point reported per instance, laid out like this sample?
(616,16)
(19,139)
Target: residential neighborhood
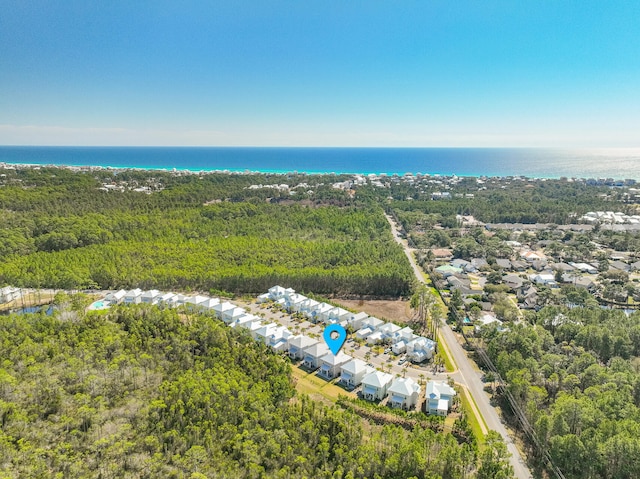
(291,313)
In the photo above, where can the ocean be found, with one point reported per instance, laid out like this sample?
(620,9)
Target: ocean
(530,162)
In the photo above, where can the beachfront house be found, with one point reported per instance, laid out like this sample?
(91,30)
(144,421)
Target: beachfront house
(297,345)
(330,364)
(133,296)
(403,393)
(439,397)
(151,296)
(352,372)
(375,385)
(312,355)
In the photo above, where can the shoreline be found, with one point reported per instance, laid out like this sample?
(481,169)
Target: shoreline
(613,165)
(247,171)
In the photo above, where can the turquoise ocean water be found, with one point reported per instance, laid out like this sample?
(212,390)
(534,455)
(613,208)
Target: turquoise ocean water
(542,163)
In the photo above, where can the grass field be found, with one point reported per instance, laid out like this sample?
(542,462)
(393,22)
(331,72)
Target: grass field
(317,388)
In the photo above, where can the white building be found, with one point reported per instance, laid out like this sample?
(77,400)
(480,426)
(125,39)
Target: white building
(151,296)
(420,349)
(297,345)
(133,296)
(330,364)
(403,393)
(439,397)
(352,372)
(375,385)
(312,355)
(355,320)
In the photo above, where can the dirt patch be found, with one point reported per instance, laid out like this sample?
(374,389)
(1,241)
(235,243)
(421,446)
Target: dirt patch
(396,310)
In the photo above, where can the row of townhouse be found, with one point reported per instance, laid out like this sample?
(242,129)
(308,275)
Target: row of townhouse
(368,328)
(315,355)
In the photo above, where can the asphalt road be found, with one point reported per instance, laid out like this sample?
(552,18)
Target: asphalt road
(468,376)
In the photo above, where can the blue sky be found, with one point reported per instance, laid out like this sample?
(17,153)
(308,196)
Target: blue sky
(320,73)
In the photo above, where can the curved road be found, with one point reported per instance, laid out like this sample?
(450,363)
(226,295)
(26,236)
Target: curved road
(467,374)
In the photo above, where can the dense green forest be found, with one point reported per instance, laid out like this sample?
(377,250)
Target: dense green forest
(576,375)
(58,230)
(539,202)
(141,392)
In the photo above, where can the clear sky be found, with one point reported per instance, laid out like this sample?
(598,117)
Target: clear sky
(320,73)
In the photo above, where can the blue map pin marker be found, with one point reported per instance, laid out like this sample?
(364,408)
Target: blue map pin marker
(334,344)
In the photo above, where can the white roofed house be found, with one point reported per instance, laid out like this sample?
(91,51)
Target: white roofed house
(308,306)
(264,298)
(167,298)
(399,347)
(151,297)
(264,331)
(375,385)
(133,296)
(321,314)
(352,372)
(297,345)
(210,303)
(330,364)
(247,318)
(375,338)
(231,315)
(405,334)
(195,302)
(278,340)
(355,320)
(403,393)
(389,331)
(112,298)
(222,308)
(439,397)
(312,355)
(420,349)
(373,323)
(252,327)
(293,302)
(276,292)
(179,300)
(364,333)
